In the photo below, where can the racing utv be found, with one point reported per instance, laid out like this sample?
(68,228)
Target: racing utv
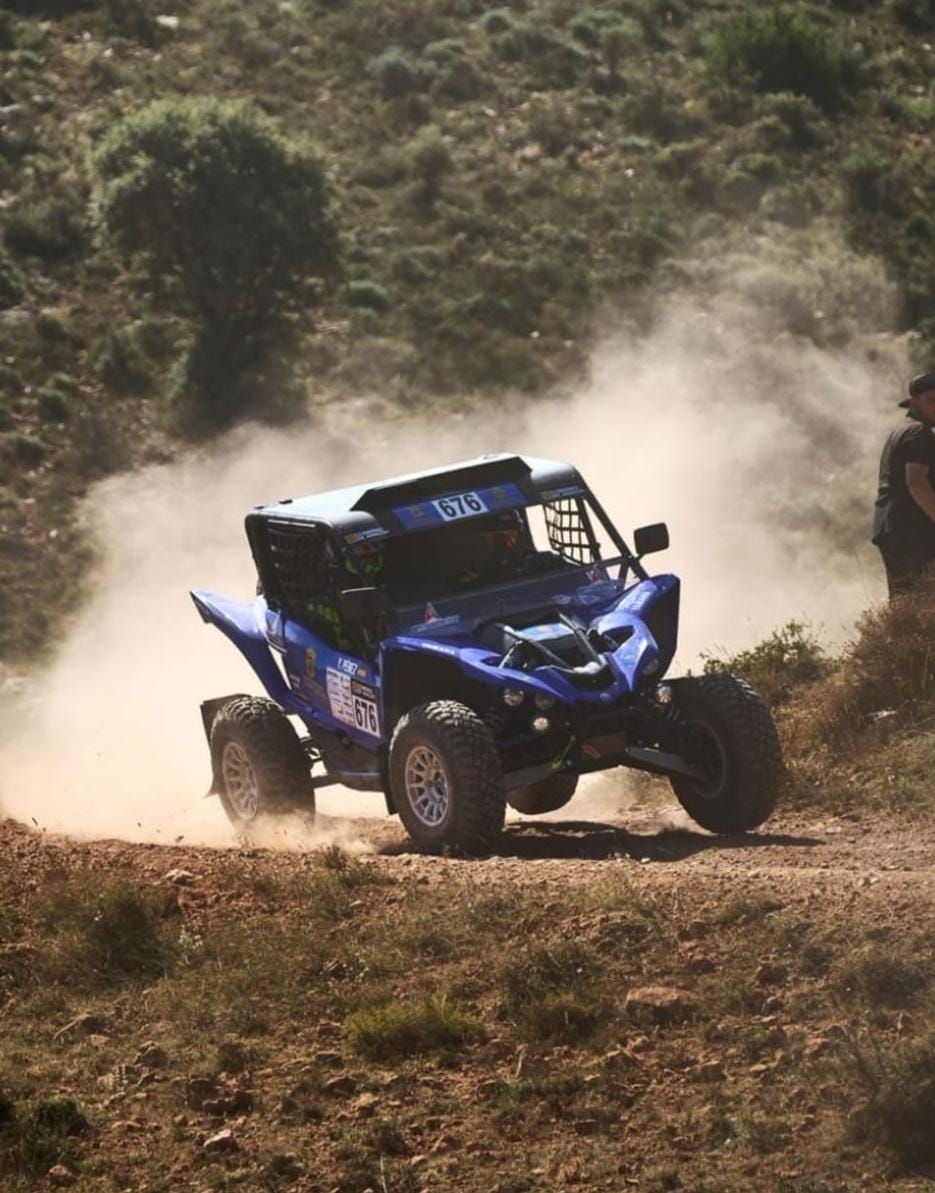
(466,638)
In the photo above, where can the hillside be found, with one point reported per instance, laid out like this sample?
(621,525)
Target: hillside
(508,182)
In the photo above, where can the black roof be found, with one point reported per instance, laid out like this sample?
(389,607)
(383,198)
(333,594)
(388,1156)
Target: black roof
(366,507)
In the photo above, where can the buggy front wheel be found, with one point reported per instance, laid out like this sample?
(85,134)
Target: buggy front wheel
(727,732)
(446,779)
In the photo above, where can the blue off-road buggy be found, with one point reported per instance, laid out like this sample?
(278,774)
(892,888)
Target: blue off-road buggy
(467,638)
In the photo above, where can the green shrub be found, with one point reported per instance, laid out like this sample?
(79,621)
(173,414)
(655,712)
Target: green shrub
(6,417)
(777,666)
(113,936)
(52,404)
(11,283)
(918,15)
(7,31)
(368,295)
(130,19)
(214,200)
(499,21)
(551,992)
(400,73)
(867,174)
(48,229)
(881,976)
(121,361)
(398,1029)
(783,50)
(10,381)
(26,449)
(900,1110)
(429,162)
(35,1137)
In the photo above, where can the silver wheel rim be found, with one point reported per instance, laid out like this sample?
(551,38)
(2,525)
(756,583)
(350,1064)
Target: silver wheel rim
(240,782)
(427,786)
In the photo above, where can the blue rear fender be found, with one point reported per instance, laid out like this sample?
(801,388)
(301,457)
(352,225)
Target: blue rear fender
(244,625)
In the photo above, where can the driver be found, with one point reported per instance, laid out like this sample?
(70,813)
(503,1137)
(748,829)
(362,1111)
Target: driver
(485,549)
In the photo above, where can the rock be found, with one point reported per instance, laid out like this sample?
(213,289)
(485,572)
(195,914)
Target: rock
(365,1105)
(152,1055)
(179,877)
(221,1144)
(340,1086)
(165,21)
(60,1176)
(661,1004)
(328,1057)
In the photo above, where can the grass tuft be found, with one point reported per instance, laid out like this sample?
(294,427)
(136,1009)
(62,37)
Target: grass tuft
(397,1029)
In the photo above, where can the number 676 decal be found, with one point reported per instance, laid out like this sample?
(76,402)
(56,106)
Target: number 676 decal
(461,505)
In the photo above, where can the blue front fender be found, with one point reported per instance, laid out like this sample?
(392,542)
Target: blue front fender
(240,623)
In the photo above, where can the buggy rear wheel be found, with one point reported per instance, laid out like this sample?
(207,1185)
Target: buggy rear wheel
(547,795)
(446,779)
(259,765)
(727,731)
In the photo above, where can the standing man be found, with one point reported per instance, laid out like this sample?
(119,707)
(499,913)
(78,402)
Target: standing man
(904,518)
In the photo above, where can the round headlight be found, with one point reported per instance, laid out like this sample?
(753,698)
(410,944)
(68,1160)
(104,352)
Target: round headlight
(541,724)
(543,701)
(513,697)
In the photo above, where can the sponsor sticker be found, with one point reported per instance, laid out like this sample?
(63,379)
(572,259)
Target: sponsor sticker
(311,662)
(353,703)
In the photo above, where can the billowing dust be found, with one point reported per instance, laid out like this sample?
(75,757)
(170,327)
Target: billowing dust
(758,448)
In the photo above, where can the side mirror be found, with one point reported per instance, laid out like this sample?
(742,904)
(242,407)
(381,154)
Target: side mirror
(649,539)
(361,607)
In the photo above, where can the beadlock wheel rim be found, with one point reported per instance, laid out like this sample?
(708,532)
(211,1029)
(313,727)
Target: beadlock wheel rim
(427,786)
(240,781)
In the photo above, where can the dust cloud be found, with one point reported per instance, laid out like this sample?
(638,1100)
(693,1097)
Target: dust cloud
(720,416)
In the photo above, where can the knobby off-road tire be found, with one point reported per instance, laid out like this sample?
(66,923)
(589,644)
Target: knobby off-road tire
(259,765)
(446,779)
(545,796)
(731,728)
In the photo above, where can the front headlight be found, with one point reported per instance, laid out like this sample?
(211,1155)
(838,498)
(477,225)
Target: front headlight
(543,701)
(513,697)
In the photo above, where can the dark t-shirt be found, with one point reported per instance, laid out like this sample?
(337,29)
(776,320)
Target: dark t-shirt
(897,519)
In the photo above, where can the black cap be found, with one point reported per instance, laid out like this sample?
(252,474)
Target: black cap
(919,385)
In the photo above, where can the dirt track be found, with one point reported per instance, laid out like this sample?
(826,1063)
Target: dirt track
(765,1057)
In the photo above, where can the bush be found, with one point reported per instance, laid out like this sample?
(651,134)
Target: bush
(26,449)
(402,1029)
(121,361)
(867,176)
(368,295)
(34,1138)
(918,15)
(900,1111)
(6,417)
(48,229)
(429,162)
(52,405)
(777,666)
(110,937)
(889,666)
(783,50)
(881,976)
(235,217)
(400,73)
(550,992)
(11,283)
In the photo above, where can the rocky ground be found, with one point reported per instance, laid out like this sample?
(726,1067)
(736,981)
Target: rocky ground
(599,1006)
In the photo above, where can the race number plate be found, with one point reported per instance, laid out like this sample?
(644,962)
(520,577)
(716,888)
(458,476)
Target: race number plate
(461,505)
